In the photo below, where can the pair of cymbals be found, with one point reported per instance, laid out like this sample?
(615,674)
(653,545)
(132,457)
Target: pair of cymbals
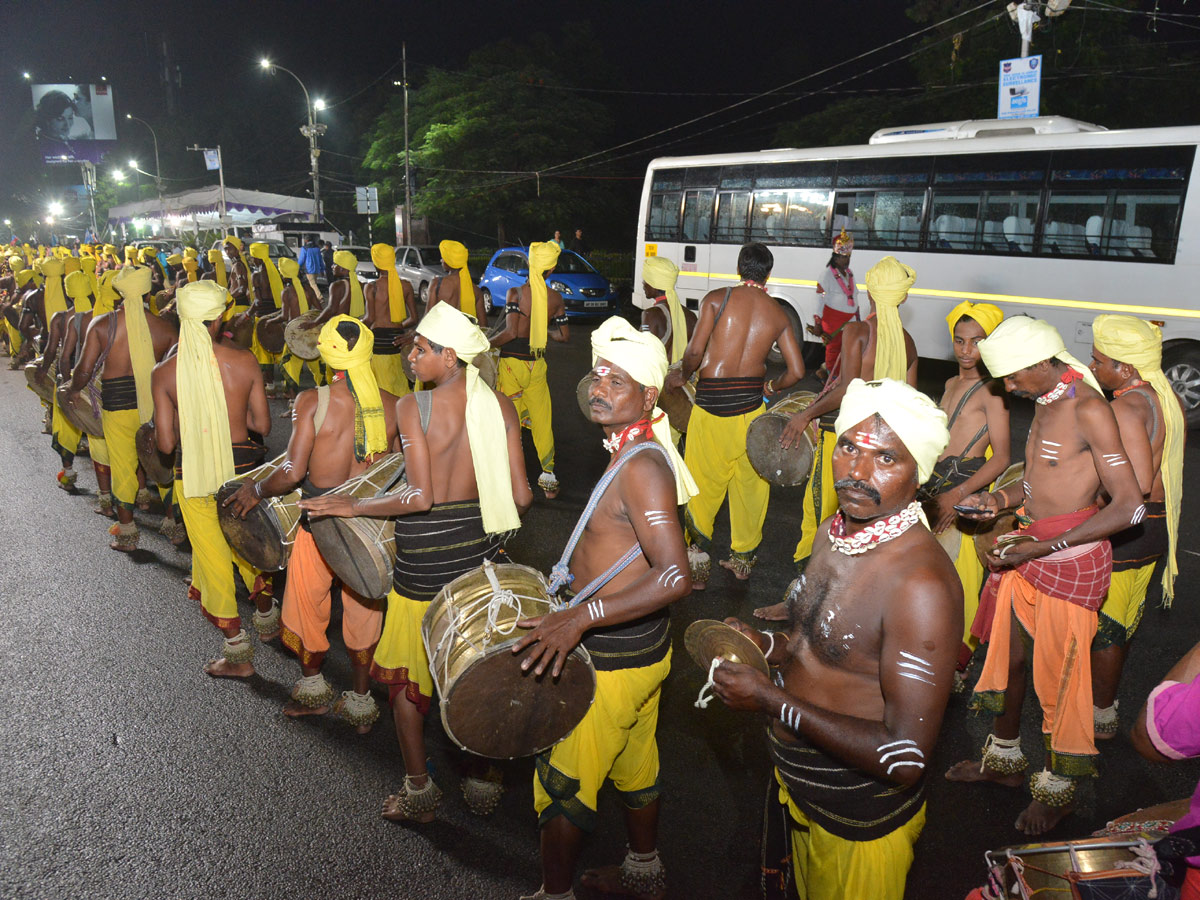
(706,639)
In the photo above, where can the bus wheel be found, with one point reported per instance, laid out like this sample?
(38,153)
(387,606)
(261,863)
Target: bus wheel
(775,355)
(1181,365)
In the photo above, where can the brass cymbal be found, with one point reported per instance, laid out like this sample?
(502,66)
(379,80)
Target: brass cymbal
(706,639)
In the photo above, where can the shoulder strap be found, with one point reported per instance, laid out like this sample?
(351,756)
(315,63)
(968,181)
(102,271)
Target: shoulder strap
(962,401)
(1144,391)
(112,334)
(322,408)
(424,407)
(724,303)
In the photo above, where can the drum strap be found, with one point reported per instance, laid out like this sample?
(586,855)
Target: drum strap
(424,407)
(560,575)
(322,408)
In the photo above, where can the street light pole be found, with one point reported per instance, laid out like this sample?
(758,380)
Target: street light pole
(407,178)
(162,212)
(220,180)
(311,131)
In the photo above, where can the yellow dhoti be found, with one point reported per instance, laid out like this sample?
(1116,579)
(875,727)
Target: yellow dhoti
(98,450)
(1123,606)
(212,561)
(523,381)
(65,437)
(264,356)
(971,573)
(820,499)
(120,428)
(400,660)
(716,456)
(14,338)
(294,365)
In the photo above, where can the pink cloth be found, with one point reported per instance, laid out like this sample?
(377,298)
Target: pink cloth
(1173,725)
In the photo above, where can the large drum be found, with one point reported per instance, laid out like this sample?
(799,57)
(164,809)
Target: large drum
(362,550)
(301,334)
(241,329)
(158,466)
(489,706)
(41,384)
(83,409)
(1085,868)
(676,403)
(270,333)
(985,536)
(265,537)
(488,364)
(786,468)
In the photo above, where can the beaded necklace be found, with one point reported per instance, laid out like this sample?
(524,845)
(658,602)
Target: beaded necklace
(625,435)
(879,532)
(1137,383)
(1067,383)
(747,282)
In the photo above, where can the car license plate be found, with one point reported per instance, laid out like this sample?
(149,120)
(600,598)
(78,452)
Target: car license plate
(592,304)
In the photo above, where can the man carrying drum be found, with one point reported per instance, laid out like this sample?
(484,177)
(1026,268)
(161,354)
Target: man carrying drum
(298,298)
(466,489)
(208,397)
(345,290)
(668,319)
(626,568)
(864,674)
(391,312)
(337,432)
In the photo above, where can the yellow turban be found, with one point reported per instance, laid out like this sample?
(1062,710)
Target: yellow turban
(888,282)
(370,427)
(454,254)
(660,273)
(920,423)
(1022,341)
(349,262)
(192,252)
(448,327)
(110,251)
(130,255)
(1139,343)
(133,283)
(79,289)
(290,269)
(542,256)
(644,357)
(262,252)
(191,265)
(70,264)
(87,250)
(145,255)
(175,259)
(985,314)
(16,263)
(88,266)
(384,258)
(55,300)
(24,276)
(204,435)
(106,296)
(217,258)
(235,240)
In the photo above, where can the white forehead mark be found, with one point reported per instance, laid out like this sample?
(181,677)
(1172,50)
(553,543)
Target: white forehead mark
(602,370)
(868,439)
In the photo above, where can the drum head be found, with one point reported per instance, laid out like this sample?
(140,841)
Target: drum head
(494,709)
(786,468)
(77,409)
(270,333)
(257,537)
(241,327)
(301,336)
(985,538)
(489,367)
(357,553)
(42,385)
(581,394)
(159,467)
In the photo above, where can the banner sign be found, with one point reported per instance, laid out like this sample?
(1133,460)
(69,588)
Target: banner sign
(1020,88)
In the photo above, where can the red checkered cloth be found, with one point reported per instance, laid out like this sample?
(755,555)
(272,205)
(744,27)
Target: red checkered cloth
(1079,575)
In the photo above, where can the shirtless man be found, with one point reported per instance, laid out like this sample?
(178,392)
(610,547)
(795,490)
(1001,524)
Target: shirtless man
(450,517)
(133,341)
(298,298)
(198,410)
(345,291)
(533,312)
(626,630)
(668,319)
(323,454)
(1052,585)
(391,312)
(736,329)
(458,285)
(58,312)
(865,673)
(1127,360)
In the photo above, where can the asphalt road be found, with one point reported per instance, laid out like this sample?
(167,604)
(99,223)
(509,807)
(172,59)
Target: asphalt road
(129,773)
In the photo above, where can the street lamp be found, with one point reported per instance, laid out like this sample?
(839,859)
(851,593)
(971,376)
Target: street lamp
(119,175)
(162,213)
(55,208)
(26,76)
(311,131)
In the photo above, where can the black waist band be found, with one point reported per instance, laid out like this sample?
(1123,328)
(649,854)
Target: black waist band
(1143,543)
(729,396)
(435,547)
(118,393)
(384,337)
(630,645)
(517,348)
(247,455)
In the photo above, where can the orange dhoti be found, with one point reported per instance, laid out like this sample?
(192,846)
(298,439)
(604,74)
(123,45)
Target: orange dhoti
(307,600)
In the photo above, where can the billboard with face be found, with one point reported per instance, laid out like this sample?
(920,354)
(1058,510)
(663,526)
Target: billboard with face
(74,122)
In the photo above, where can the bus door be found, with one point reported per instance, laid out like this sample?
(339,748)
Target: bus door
(696,242)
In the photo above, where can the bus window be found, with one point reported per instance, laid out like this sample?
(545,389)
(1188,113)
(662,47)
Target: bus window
(904,171)
(1067,218)
(767,217)
(1150,222)
(791,176)
(733,207)
(697,217)
(663,222)
(807,218)
(1016,212)
(879,219)
(954,222)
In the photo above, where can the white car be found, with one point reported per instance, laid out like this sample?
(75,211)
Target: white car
(419,266)
(366,267)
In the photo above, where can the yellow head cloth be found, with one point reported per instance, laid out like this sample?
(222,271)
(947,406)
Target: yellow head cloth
(88,266)
(987,315)
(175,259)
(454,255)
(60,252)
(1139,343)
(262,252)
(145,255)
(448,327)
(204,435)
(237,243)
(290,269)
(920,423)
(349,262)
(384,258)
(55,299)
(192,252)
(87,250)
(79,289)
(542,256)
(133,283)
(217,258)
(644,357)
(191,265)
(130,255)
(110,250)
(660,273)
(888,282)
(106,295)
(370,426)
(24,277)
(16,263)
(70,264)
(1022,341)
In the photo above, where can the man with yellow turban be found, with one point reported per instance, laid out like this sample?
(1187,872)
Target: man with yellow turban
(337,432)
(667,319)
(458,290)
(267,289)
(126,344)
(390,313)
(878,347)
(462,499)
(299,298)
(626,631)
(208,397)
(978,452)
(57,313)
(19,348)
(529,311)
(1050,577)
(859,696)
(345,290)
(1127,360)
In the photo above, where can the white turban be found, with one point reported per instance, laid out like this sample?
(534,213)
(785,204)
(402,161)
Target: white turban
(920,423)
(1021,341)
(643,356)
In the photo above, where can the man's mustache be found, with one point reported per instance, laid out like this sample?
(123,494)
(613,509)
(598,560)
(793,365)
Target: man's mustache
(596,401)
(858,486)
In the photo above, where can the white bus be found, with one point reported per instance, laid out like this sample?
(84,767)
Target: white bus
(1049,217)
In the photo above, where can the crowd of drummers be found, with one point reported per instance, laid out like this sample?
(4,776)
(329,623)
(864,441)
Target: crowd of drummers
(404,475)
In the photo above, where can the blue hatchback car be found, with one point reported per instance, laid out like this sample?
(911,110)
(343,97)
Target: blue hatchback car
(584,290)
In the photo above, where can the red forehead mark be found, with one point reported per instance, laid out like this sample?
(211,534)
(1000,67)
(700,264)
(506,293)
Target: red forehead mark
(868,439)
(603,370)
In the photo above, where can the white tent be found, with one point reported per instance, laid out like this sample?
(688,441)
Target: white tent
(199,209)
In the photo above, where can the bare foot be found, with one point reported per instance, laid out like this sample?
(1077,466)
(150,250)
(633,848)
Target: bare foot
(393,813)
(123,548)
(295,710)
(699,585)
(270,637)
(970,770)
(740,570)
(776,613)
(222,668)
(1105,735)
(1038,818)
(110,513)
(607,880)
